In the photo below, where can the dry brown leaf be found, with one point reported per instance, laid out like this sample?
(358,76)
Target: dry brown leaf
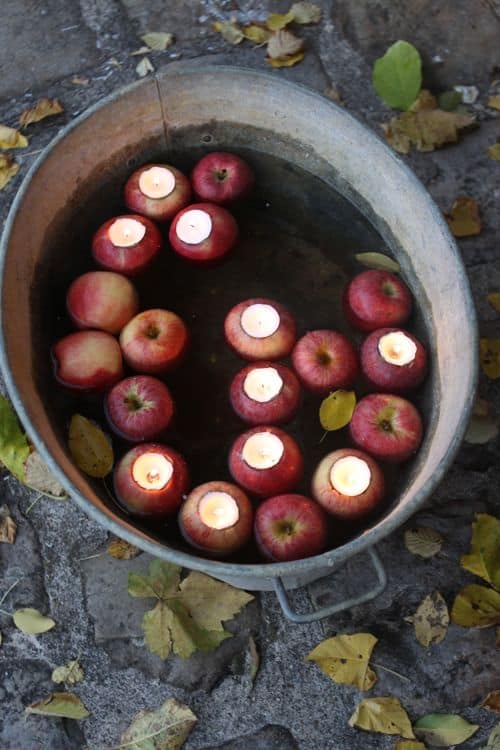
(431,620)
(494,300)
(333,93)
(425,129)
(144,67)
(12,138)
(489,356)
(229,31)
(494,102)
(39,111)
(305,12)
(423,541)
(39,477)
(464,219)
(424,101)
(122,550)
(494,152)
(8,169)
(256,34)
(492,701)
(8,527)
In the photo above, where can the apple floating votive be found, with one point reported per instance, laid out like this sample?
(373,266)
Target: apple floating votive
(393,360)
(87,361)
(151,479)
(375,299)
(203,233)
(221,177)
(157,191)
(260,328)
(126,244)
(387,426)
(290,527)
(324,361)
(139,408)
(216,518)
(348,484)
(266,461)
(265,393)
(102,300)
(154,341)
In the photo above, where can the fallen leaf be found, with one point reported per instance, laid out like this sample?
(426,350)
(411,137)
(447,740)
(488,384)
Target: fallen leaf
(122,550)
(481,407)
(188,636)
(39,477)
(494,151)
(489,356)
(449,100)
(167,728)
(212,602)
(8,527)
(431,620)
(158,40)
(494,300)
(80,81)
(336,410)
(229,31)
(476,607)
(66,705)
(277,21)
(444,730)
(283,45)
(254,655)
(71,673)
(423,541)
(12,138)
(144,67)
(424,101)
(305,13)
(90,448)
(333,93)
(345,658)
(31,621)
(464,219)
(141,51)
(379,261)
(409,745)
(256,34)
(42,109)
(14,448)
(285,62)
(384,715)
(397,76)
(484,557)
(494,101)
(493,740)
(481,430)
(426,129)
(157,625)
(8,169)
(492,701)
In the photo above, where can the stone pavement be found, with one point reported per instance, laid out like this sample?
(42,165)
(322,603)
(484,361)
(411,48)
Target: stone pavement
(58,551)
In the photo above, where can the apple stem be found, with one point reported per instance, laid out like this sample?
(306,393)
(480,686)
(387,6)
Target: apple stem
(386,669)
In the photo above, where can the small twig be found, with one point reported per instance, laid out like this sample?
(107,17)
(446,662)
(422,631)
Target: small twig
(386,669)
(4,597)
(323,437)
(37,498)
(4,612)
(90,557)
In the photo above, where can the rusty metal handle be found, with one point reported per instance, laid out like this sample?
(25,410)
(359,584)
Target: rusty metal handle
(333,609)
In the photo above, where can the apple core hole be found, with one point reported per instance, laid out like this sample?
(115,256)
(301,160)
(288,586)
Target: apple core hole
(152,332)
(386,425)
(323,357)
(132,402)
(221,174)
(285,528)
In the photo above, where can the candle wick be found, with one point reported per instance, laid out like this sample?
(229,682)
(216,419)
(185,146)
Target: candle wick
(153,475)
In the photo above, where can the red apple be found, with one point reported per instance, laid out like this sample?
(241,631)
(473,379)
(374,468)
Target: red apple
(222,178)
(260,328)
(350,490)
(375,299)
(203,233)
(139,408)
(266,461)
(103,300)
(217,518)
(265,393)
(290,527)
(151,480)
(131,259)
(387,426)
(155,341)
(164,207)
(87,361)
(324,361)
(393,360)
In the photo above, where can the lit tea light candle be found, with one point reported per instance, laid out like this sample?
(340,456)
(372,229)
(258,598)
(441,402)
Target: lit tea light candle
(218,510)
(397,349)
(260,321)
(126,232)
(194,226)
(156,182)
(263,450)
(152,471)
(262,384)
(350,476)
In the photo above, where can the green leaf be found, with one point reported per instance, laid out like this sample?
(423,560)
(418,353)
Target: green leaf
(139,586)
(66,705)
(493,740)
(449,100)
(484,557)
(31,621)
(164,578)
(156,625)
(444,730)
(90,448)
(397,76)
(476,607)
(165,729)
(14,448)
(379,261)
(336,410)
(345,659)
(211,602)
(384,715)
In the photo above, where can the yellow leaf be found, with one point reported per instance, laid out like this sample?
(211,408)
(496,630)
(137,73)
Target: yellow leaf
(42,109)
(80,81)
(167,728)
(39,477)
(494,152)
(90,448)
(345,658)
(122,550)
(492,701)
(229,31)
(336,410)
(71,673)
(8,527)
(431,620)
(484,557)
(378,261)
(305,12)
(211,602)
(277,21)
(12,138)
(283,44)
(494,300)
(409,745)
(31,621)
(423,541)
(384,715)
(464,219)
(8,169)
(426,129)
(158,40)
(489,355)
(256,34)
(444,730)
(65,705)
(285,62)
(476,607)
(494,101)
(144,67)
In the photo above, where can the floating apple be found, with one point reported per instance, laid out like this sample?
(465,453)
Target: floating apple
(87,361)
(139,408)
(222,178)
(203,233)
(324,361)
(393,360)
(103,300)
(151,480)
(158,191)
(127,244)
(155,341)
(386,426)
(260,328)
(265,393)
(290,527)
(376,299)
(217,518)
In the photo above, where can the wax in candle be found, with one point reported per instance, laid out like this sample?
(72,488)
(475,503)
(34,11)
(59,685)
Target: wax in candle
(397,348)
(260,321)
(263,450)
(152,471)
(194,226)
(262,384)
(156,182)
(126,232)
(218,510)
(350,476)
